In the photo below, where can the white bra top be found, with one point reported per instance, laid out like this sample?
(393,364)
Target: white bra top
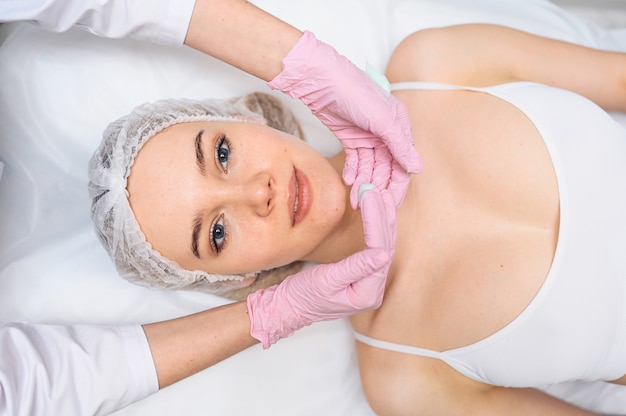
(575,327)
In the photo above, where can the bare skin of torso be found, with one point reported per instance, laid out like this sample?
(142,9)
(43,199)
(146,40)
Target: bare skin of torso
(476,237)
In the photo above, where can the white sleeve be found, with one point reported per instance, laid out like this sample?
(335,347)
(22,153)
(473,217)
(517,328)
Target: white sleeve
(73,370)
(159,21)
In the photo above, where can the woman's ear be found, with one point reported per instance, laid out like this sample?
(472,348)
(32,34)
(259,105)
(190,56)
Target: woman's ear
(276,114)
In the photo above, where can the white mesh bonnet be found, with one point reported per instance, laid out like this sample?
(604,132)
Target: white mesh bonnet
(114,221)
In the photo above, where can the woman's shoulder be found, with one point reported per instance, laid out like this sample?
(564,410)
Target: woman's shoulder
(482,55)
(457,55)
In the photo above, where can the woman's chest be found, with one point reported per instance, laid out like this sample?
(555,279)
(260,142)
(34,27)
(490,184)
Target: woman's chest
(478,229)
(476,261)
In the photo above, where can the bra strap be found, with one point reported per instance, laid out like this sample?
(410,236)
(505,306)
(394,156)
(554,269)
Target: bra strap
(405,349)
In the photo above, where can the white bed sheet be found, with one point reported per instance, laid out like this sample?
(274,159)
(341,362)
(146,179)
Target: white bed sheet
(58,92)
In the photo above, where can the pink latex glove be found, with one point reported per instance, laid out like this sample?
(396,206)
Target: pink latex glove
(330,291)
(365,117)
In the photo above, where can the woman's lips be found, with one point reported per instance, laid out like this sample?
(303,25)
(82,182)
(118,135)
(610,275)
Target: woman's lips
(300,197)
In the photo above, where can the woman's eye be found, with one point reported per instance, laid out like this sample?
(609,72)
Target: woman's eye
(218,234)
(222,152)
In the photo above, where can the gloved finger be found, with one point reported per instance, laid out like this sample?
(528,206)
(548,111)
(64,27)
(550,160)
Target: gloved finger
(378,214)
(368,293)
(367,286)
(332,278)
(354,196)
(366,165)
(364,174)
(392,221)
(350,166)
(399,138)
(379,223)
(383,162)
(399,183)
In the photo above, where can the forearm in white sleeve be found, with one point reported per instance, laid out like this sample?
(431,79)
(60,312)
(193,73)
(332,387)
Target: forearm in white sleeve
(159,21)
(73,370)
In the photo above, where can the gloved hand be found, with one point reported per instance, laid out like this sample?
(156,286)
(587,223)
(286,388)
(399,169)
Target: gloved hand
(330,291)
(367,120)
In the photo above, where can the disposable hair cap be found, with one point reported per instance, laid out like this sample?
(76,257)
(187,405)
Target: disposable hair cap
(113,218)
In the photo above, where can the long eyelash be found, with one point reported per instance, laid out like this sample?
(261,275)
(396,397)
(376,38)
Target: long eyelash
(214,245)
(221,140)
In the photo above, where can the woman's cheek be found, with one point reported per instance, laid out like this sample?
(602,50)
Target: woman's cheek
(335,198)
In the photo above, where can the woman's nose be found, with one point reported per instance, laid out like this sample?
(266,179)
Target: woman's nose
(258,193)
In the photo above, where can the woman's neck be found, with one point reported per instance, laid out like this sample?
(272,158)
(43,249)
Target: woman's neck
(347,237)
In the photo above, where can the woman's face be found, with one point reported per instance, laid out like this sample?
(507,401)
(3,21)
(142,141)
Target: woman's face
(232,198)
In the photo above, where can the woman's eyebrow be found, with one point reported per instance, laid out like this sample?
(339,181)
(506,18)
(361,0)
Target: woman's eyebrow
(200,153)
(197,226)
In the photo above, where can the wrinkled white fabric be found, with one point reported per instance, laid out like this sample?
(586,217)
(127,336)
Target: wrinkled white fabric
(158,21)
(73,370)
